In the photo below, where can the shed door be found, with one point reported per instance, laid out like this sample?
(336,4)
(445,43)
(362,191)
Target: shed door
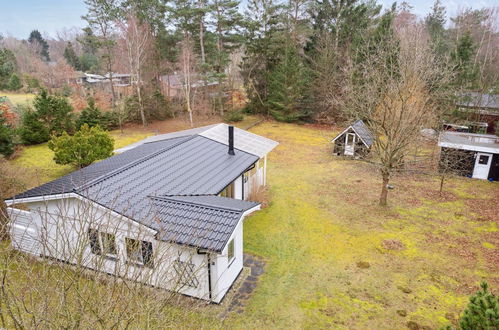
(482,165)
(349,144)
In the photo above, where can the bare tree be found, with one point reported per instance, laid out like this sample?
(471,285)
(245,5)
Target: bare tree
(93,270)
(188,68)
(400,94)
(137,43)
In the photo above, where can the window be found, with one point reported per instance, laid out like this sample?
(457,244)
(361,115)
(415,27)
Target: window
(483,159)
(185,273)
(139,252)
(93,237)
(108,244)
(102,243)
(230,251)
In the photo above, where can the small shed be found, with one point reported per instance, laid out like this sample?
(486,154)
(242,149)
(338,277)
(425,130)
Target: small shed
(476,155)
(355,141)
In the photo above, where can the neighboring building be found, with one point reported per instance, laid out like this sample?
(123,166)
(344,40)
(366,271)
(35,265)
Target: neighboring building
(167,211)
(476,155)
(172,84)
(355,140)
(483,107)
(119,79)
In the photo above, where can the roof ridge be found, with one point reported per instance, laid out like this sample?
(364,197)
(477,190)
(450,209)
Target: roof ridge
(172,198)
(129,165)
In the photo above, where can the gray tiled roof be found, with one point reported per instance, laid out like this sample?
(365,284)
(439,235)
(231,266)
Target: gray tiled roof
(202,221)
(363,132)
(197,166)
(166,177)
(75,180)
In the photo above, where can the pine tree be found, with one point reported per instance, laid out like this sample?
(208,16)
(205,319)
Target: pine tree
(14,83)
(6,137)
(91,115)
(82,149)
(435,24)
(32,129)
(36,38)
(287,83)
(463,56)
(264,42)
(8,65)
(54,112)
(482,311)
(71,57)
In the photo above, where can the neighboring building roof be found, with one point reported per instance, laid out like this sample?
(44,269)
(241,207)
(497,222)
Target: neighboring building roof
(469,141)
(201,221)
(166,175)
(243,140)
(362,131)
(479,100)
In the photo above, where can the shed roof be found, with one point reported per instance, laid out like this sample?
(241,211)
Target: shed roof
(469,141)
(362,131)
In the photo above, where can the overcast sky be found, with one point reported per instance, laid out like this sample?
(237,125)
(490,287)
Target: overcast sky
(19,17)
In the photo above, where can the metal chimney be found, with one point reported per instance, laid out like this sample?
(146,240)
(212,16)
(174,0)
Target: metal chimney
(231,140)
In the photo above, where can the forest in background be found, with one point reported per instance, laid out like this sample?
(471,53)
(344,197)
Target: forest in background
(296,60)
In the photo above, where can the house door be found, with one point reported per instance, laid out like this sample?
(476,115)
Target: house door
(482,166)
(349,144)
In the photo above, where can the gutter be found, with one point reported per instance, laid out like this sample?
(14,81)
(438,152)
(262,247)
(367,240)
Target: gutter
(200,251)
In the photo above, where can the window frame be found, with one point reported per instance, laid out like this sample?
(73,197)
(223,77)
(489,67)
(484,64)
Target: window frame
(104,247)
(231,250)
(145,251)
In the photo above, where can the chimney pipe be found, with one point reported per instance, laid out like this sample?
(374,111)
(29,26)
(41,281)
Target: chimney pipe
(231,140)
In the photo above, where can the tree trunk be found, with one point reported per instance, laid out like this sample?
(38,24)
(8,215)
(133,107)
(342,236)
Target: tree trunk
(141,106)
(442,179)
(201,33)
(384,189)
(113,93)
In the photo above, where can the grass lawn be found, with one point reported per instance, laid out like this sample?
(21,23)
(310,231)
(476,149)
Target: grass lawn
(337,259)
(18,98)
(334,258)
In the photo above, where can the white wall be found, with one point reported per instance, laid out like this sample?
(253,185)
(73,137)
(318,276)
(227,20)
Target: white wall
(224,274)
(62,227)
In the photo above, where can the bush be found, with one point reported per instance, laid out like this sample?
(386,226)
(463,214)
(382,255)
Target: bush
(31,82)
(233,116)
(32,130)
(14,83)
(86,146)
(157,107)
(482,311)
(6,138)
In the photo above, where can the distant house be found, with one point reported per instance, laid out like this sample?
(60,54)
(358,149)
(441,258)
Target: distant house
(167,211)
(476,155)
(172,84)
(119,79)
(483,107)
(356,140)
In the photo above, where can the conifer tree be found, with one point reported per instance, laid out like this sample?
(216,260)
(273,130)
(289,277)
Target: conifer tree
(14,83)
(435,25)
(91,115)
(6,137)
(35,38)
(71,57)
(287,83)
(482,311)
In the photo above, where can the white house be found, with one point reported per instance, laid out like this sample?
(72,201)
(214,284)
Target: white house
(167,211)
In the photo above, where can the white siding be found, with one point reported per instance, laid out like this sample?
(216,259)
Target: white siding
(62,233)
(224,274)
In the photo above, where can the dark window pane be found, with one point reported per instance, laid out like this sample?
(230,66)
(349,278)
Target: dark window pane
(483,160)
(134,250)
(147,254)
(108,243)
(93,237)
